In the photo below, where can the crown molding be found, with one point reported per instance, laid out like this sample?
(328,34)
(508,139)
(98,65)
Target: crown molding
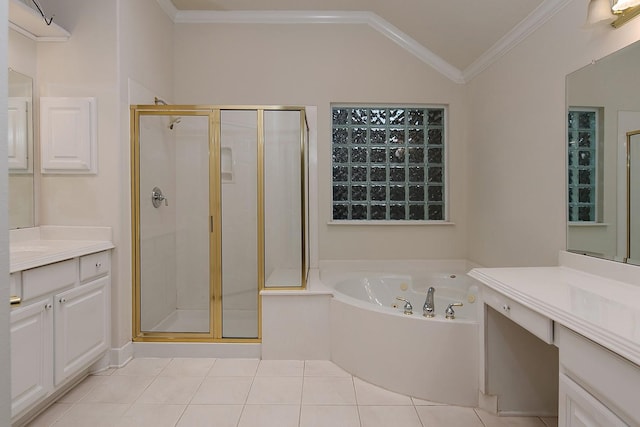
(411,45)
(168,8)
(514,37)
(315,17)
(531,23)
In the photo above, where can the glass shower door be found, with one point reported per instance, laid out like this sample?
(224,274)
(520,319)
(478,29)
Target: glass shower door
(219,213)
(239,229)
(174,225)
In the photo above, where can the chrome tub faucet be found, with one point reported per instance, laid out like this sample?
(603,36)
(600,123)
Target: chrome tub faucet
(428,309)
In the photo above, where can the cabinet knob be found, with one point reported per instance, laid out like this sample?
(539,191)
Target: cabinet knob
(98,265)
(62,300)
(506,307)
(48,306)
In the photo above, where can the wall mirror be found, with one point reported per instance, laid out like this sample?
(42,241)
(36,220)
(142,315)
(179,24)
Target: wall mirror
(603,157)
(20,150)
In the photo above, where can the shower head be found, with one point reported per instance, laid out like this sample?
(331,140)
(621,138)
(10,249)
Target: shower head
(174,121)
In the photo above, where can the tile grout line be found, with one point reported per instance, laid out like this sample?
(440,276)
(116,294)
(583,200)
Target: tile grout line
(246,399)
(475,411)
(304,365)
(415,409)
(353,383)
(194,394)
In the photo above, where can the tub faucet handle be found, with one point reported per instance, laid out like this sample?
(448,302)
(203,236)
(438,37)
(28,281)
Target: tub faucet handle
(449,313)
(408,308)
(429,309)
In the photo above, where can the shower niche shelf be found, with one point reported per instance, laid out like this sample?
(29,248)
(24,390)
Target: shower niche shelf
(226,165)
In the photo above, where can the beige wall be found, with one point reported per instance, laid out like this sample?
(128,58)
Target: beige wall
(317,65)
(111,42)
(517,138)
(85,66)
(145,43)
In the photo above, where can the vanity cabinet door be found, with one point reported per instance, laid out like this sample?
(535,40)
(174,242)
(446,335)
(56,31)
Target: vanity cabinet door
(31,354)
(81,327)
(578,408)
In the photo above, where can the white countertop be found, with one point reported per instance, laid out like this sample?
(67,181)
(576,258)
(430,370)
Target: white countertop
(605,310)
(34,247)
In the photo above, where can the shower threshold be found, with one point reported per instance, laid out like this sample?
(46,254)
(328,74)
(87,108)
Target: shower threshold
(184,321)
(237,323)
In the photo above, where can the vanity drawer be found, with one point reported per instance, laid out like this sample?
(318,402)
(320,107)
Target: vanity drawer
(15,284)
(49,278)
(94,265)
(533,322)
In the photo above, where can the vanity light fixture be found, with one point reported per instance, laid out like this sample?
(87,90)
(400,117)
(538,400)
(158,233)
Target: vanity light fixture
(625,10)
(621,5)
(618,12)
(598,11)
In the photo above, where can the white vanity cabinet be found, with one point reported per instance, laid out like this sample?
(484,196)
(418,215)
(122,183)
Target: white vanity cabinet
(31,353)
(81,328)
(592,311)
(578,408)
(596,387)
(60,328)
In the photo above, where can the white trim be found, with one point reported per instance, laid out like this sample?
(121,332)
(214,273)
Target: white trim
(531,23)
(197,349)
(121,356)
(521,31)
(168,8)
(408,43)
(317,17)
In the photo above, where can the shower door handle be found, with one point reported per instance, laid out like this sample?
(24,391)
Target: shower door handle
(157,197)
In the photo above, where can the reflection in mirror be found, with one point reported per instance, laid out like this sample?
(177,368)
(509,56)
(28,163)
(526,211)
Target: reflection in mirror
(633,197)
(602,106)
(20,150)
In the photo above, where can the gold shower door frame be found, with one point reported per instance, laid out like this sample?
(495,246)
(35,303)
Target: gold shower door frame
(215,215)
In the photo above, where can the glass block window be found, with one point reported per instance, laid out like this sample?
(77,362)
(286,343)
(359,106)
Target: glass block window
(582,168)
(388,163)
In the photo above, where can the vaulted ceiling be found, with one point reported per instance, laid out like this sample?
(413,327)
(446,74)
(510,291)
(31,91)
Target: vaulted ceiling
(461,33)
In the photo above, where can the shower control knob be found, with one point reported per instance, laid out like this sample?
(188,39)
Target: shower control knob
(157,198)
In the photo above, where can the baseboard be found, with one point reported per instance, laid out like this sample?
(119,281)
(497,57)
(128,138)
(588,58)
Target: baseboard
(542,414)
(216,350)
(121,356)
(488,402)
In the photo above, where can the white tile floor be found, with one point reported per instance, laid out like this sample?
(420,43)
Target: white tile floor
(251,393)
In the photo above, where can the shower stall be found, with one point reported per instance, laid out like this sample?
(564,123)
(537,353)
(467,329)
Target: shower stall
(219,213)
